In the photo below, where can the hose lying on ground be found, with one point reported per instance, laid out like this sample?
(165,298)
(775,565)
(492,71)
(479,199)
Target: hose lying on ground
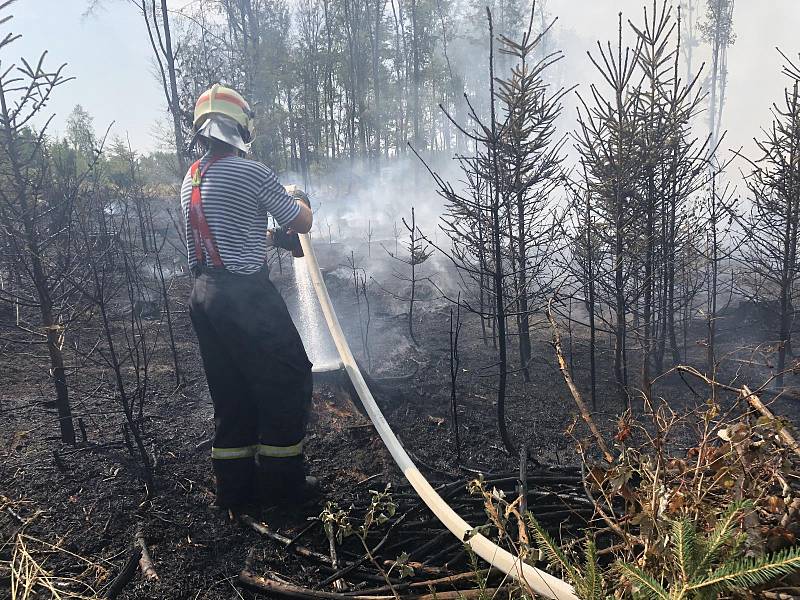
(538,581)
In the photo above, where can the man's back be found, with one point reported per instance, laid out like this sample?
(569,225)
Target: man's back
(237,197)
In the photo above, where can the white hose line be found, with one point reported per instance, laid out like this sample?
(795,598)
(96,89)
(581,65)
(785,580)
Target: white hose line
(538,581)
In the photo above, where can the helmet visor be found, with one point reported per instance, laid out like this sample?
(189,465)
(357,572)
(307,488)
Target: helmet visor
(224,129)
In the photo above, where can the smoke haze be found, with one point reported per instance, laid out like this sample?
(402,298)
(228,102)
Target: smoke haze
(109,55)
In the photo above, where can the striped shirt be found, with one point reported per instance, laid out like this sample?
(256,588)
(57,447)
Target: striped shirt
(238,195)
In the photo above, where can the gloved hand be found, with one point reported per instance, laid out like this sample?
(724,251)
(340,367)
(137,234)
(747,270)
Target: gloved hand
(283,239)
(286,238)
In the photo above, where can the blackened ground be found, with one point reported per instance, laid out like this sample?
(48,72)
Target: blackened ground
(91,500)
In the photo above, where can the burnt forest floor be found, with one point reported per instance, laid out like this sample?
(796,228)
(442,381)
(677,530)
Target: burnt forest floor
(89,500)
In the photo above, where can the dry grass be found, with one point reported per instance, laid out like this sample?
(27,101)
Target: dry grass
(39,569)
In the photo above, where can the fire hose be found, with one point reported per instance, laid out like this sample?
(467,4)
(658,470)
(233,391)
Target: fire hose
(535,579)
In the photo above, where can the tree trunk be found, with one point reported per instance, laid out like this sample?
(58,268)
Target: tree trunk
(173,101)
(522,266)
(499,292)
(292,132)
(413,277)
(648,285)
(53,331)
(590,303)
(40,280)
(670,264)
(378,114)
(415,92)
(619,289)
(711,319)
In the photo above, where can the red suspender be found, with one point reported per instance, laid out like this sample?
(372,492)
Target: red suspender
(203,238)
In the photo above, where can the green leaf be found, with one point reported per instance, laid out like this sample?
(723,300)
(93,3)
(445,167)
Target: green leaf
(479,530)
(402,564)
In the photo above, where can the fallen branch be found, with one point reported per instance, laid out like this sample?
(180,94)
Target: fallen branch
(339,585)
(417,566)
(271,586)
(145,561)
(576,395)
(447,550)
(780,596)
(285,541)
(432,543)
(431,584)
(756,403)
(325,561)
(15,516)
(125,575)
(695,373)
(370,478)
(365,557)
(302,532)
(476,594)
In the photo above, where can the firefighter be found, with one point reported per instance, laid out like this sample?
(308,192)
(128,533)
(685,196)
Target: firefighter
(258,373)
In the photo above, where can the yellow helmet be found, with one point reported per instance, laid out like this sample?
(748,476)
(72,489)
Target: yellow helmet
(221,101)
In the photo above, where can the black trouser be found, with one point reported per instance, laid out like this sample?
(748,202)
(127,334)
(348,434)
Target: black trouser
(259,377)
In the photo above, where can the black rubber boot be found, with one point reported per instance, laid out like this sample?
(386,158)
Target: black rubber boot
(309,491)
(282,482)
(306,493)
(234,483)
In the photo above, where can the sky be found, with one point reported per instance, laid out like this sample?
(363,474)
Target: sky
(109,55)
(755,81)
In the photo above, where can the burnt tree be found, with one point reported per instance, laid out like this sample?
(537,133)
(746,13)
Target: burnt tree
(771,241)
(36,228)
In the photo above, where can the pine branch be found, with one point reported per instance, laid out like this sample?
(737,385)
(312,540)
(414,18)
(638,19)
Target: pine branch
(685,549)
(591,585)
(555,555)
(722,534)
(751,572)
(648,587)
